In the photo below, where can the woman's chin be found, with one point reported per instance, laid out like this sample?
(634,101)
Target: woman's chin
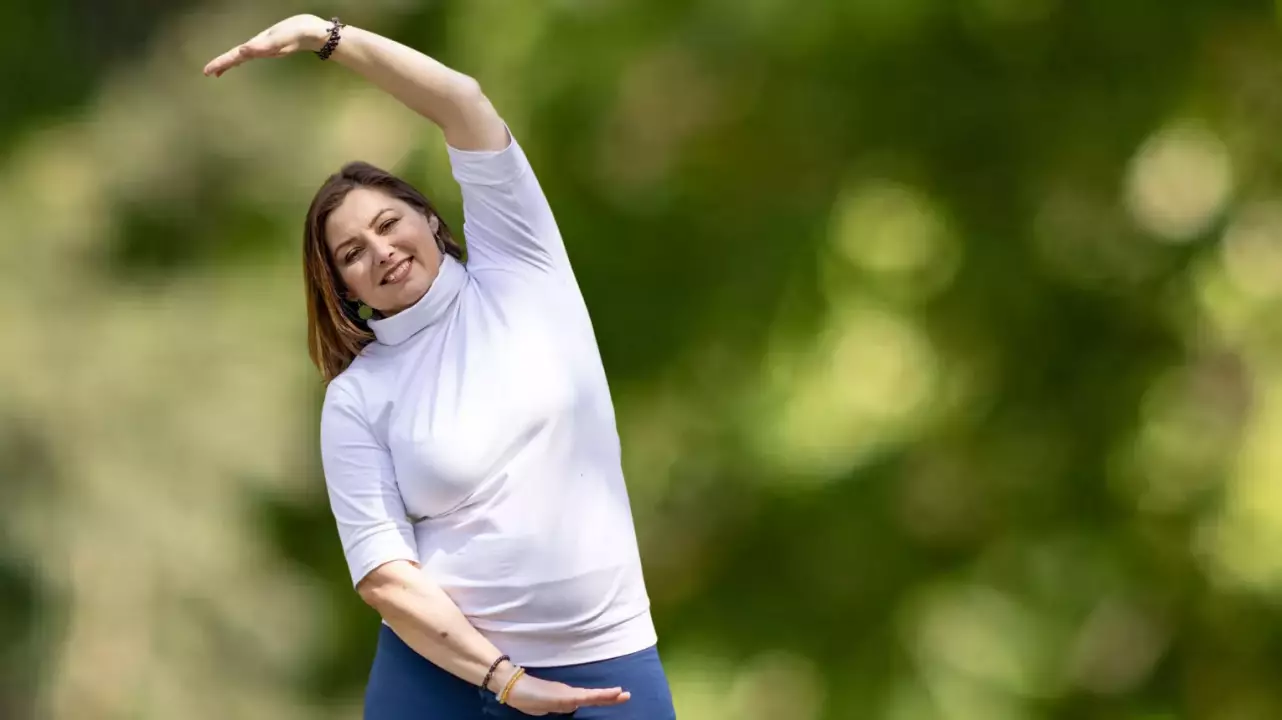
(418,283)
(409,291)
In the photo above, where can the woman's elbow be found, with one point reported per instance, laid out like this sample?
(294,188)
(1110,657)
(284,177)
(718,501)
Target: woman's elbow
(371,592)
(466,91)
(381,584)
(471,122)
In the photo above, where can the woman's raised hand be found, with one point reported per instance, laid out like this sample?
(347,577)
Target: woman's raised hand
(300,32)
(533,696)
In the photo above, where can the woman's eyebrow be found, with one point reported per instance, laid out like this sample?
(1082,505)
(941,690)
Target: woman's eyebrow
(378,215)
(372,221)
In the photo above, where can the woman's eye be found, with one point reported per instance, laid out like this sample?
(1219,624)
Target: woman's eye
(352,255)
(387,224)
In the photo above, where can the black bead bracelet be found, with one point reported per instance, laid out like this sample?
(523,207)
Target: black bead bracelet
(485,684)
(332,43)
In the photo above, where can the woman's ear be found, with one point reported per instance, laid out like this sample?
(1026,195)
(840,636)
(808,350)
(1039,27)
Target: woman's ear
(434,226)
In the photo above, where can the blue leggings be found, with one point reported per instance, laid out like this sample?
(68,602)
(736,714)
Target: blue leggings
(405,685)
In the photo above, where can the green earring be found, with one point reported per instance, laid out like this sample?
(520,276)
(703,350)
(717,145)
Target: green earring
(365,311)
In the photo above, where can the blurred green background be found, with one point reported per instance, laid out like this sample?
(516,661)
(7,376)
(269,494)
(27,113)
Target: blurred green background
(943,335)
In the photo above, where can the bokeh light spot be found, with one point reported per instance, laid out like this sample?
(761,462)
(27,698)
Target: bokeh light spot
(867,381)
(1252,250)
(897,234)
(1179,182)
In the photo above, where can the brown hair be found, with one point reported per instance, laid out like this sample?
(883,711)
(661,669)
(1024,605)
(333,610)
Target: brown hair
(335,332)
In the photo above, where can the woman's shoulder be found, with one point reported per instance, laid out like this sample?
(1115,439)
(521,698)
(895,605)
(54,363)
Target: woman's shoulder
(339,394)
(349,387)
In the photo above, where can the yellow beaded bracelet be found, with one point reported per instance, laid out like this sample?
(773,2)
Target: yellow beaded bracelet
(510,684)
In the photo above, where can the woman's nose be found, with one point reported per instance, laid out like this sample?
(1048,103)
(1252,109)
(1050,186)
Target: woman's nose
(382,250)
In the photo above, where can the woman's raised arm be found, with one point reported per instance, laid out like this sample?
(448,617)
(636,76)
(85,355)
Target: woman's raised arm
(450,99)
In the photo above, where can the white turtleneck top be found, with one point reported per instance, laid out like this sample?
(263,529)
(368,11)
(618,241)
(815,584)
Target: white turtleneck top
(476,437)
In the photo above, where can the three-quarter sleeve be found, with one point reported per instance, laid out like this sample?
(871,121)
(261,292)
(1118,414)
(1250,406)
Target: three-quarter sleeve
(507,221)
(363,494)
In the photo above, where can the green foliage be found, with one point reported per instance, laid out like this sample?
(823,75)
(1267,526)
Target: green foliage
(927,414)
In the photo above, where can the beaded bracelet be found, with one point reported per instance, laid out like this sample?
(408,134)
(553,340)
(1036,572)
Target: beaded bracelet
(332,42)
(485,684)
(510,684)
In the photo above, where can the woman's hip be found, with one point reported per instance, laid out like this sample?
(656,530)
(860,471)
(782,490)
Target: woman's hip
(404,684)
(640,673)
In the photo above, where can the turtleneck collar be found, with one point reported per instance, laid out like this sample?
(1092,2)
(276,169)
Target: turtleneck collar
(429,309)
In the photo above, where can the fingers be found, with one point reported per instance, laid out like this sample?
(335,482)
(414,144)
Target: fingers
(227,60)
(232,58)
(537,697)
(608,696)
(256,47)
(575,698)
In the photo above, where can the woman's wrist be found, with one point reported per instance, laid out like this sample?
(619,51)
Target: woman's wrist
(316,34)
(494,666)
(506,692)
(502,675)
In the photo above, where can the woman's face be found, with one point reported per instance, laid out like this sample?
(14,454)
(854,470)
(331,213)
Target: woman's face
(384,250)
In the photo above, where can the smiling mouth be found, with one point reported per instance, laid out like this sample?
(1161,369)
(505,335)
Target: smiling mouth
(397,273)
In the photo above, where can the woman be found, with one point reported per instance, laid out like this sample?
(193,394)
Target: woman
(467,436)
